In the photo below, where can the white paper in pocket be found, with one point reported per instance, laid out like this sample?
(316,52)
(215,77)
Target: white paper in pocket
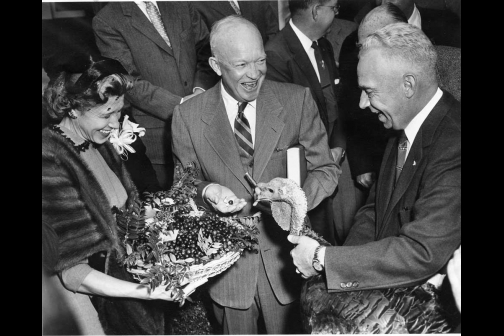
(336,81)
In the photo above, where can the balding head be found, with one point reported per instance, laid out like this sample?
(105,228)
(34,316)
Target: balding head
(378,18)
(406,6)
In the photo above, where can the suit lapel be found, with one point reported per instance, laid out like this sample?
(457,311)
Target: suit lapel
(143,25)
(268,129)
(170,15)
(303,61)
(386,180)
(422,140)
(220,136)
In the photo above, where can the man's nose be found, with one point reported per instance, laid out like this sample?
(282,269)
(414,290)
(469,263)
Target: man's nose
(253,71)
(364,100)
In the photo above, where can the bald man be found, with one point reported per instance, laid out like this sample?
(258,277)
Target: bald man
(245,124)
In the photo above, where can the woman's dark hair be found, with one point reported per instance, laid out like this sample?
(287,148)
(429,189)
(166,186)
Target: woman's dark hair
(82,82)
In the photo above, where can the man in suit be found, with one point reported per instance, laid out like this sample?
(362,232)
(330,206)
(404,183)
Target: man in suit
(165,45)
(410,226)
(366,139)
(258,12)
(300,54)
(442,26)
(245,124)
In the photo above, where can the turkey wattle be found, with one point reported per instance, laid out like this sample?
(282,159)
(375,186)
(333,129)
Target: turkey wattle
(415,309)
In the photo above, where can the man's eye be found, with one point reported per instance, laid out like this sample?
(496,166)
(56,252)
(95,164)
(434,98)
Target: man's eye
(261,61)
(240,65)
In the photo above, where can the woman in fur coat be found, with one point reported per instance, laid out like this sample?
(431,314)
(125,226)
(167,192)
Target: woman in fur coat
(83,178)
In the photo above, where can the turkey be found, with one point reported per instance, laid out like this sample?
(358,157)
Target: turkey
(416,309)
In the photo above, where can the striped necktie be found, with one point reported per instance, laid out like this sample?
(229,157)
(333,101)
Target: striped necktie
(242,130)
(235,7)
(155,17)
(402,149)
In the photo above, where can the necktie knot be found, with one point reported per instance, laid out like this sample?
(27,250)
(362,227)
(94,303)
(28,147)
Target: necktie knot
(315,45)
(241,108)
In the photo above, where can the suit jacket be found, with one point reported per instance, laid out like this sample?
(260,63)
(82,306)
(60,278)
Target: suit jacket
(258,12)
(286,116)
(164,74)
(405,235)
(340,29)
(449,70)
(288,62)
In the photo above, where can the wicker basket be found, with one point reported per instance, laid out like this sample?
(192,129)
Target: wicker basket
(217,266)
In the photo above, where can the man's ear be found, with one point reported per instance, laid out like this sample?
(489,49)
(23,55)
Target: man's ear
(409,85)
(215,65)
(314,13)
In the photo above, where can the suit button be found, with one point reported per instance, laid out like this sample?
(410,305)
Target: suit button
(251,164)
(185,83)
(349,284)
(343,285)
(355,284)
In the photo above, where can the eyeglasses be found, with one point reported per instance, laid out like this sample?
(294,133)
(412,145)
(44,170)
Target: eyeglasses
(334,8)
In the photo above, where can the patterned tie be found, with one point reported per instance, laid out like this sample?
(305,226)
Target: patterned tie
(155,17)
(324,75)
(242,130)
(401,154)
(235,7)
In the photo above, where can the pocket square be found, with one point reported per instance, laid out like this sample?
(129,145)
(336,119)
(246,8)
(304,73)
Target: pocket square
(336,81)
(414,163)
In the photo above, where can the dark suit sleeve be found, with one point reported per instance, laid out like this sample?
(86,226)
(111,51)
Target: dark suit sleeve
(430,231)
(205,77)
(322,171)
(152,99)
(278,67)
(271,22)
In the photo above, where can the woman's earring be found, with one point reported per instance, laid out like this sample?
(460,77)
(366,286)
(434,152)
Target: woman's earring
(72,115)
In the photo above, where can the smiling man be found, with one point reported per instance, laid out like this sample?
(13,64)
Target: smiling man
(245,124)
(411,224)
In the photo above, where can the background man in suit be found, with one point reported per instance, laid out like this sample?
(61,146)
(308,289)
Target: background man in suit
(258,12)
(366,139)
(300,54)
(410,229)
(227,138)
(165,45)
(442,26)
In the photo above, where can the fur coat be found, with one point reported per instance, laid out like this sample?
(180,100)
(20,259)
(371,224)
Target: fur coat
(75,206)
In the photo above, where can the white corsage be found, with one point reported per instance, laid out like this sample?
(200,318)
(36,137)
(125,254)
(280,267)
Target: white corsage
(123,138)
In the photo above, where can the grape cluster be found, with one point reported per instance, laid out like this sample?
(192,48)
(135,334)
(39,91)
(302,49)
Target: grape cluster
(186,244)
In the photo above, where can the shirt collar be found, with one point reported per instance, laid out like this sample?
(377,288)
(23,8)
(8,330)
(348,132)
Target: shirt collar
(412,129)
(230,101)
(305,40)
(415,18)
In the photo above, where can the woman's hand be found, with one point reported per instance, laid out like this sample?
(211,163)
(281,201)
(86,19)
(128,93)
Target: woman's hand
(159,293)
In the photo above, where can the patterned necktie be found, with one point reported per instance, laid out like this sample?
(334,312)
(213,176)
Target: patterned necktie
(402,148)
(155,17)
(322,69)
(242,130)
(235,7)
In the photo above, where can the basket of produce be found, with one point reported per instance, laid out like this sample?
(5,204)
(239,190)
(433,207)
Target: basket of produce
(182,243)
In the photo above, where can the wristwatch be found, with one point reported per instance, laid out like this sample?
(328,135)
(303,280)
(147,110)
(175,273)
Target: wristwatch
(316,261)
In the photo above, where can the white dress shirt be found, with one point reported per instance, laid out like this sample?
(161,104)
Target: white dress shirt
(412,129)
(231,105)
(415,18)
(143,8)
(307,45)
